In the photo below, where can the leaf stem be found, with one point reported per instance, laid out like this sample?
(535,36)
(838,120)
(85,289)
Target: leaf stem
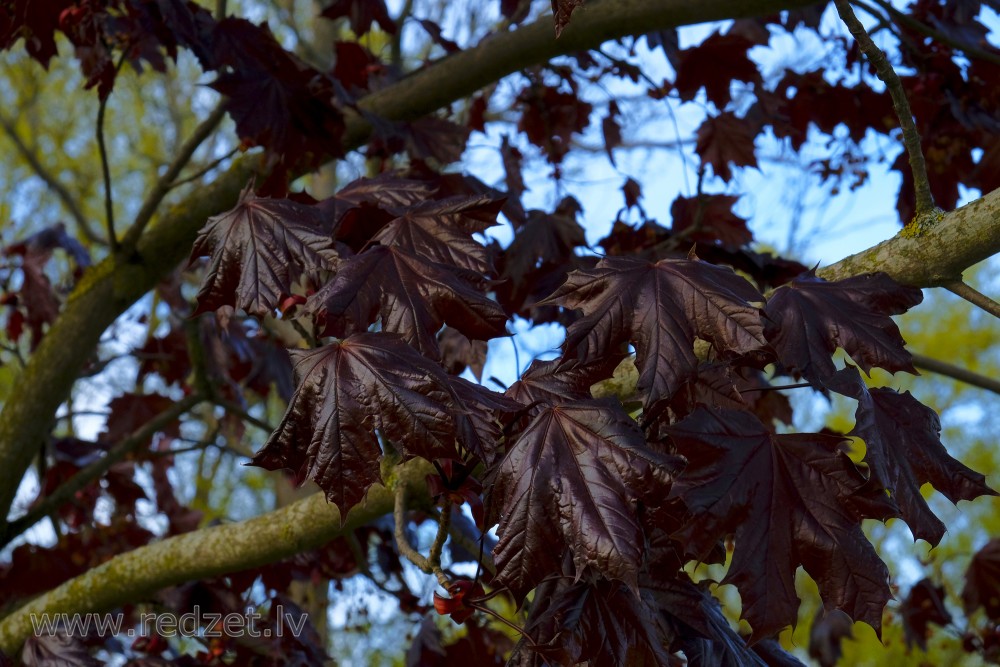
(911,139)
(973,296)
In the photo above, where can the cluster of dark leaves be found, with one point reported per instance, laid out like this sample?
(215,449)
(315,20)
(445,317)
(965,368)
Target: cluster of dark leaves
(30,297)
(627,502)
(597,510)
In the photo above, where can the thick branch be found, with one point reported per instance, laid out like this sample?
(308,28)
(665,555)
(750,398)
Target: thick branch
(111,287)
(933,252)
(136,575)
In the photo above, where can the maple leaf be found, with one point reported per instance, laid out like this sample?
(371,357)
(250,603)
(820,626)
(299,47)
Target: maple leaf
(275,99)
(714,64)
(551,117)
(413,296)
(982,581)
(921,607)
(553,382)
(361,14)
(259,249)
(809,318)
(660,308)
(543,238)
(726,139)
(696,623)
(345,391)
(441,231)
(570,482)
(709,218)
(826,636)
(790,500)
(904,451)
(603,624)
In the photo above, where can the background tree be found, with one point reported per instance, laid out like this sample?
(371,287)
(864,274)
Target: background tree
(316,180)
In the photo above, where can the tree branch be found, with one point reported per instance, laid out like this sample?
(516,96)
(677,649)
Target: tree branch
(956,373)
(424,564)
(306,524)
(911,139)
(109,288)
(167,180)
(934,251)
(973,296)
(42,172)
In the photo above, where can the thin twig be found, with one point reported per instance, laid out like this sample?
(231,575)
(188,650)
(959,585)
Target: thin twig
(405,548)
(96,470)
(51,181)
(911,139)
(109,207)
(234,408)
(973,296)
(956,373)
(204,170)
(166,181)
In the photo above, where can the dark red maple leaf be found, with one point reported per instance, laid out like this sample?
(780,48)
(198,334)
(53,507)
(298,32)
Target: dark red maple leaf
(922,606)
(714,64)
(275,99)
(35,304)
(696,624)
(982,581)
(709,218)
(543,238)
(602,624)
(441,231)
(570,482)
(361,14)
(551,117)
(459,353)
(903,451)
(809,318)
(725,140)
(413,296)
(660,308)
(36,21)
(790,500)
(348,389)
(259,249)
(826,636)
(553,382)
(612,131)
